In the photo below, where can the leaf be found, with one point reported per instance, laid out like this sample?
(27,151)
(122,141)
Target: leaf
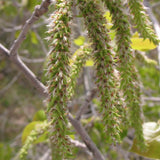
(107,15)
(42,138)
(39,116)
(79,41)
(151,132)
(142,44)
(89,63)
(27,130)
(135,35)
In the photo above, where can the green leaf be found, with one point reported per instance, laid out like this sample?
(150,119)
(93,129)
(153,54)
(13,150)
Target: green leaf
(39,116)
(79,41)
(142,44)
(89,63)
(151,132)
(27,130)
(107,15)
(42,138)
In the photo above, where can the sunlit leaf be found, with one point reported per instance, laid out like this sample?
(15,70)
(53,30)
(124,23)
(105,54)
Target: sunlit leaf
(39,116)
(107,15)
(151,132)
(27,130)
(79,41)
(89,63)
(135,35)
(112,34)
(42,138)
(142,45)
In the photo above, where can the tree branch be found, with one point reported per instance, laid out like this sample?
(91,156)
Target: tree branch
(39,11)
(85,137)
(25,70)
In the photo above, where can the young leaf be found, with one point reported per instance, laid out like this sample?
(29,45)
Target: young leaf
(27,130)
(151,132)
(39,116)
(142,44)
(79,41)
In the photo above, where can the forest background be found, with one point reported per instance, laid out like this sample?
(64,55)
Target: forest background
(20,101)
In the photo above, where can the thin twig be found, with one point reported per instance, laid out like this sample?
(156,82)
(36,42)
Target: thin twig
(78,144)
(37,60)
(25,70)
(39,11)
(85,137)
(153,99)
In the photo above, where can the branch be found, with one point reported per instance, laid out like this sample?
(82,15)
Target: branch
(154,99)
(25,70)
(78,144)
(39,11)
(37,60)
(85,137)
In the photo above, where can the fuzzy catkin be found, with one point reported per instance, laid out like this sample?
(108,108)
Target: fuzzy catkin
(129,77)
(77,62)
(58,73)
(103,59)
(141,20)
(31,138)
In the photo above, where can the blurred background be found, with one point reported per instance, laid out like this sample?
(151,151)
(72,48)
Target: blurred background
(19,100)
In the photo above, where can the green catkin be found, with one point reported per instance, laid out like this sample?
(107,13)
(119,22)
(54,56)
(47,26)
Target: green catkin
(103,59)
(129,78)
(77,62)
(58,73)
(141,20)
(31,138)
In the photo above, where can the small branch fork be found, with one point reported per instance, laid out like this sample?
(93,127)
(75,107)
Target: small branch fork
(14,57)
(39,11)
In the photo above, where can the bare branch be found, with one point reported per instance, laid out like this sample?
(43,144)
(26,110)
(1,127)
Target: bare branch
(78,144)
(37,60)
(85,137)
(25,70)
(39,11)
(16,28)
(4,51)
(153,99)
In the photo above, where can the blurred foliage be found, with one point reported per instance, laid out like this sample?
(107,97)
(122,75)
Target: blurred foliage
(5,152)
